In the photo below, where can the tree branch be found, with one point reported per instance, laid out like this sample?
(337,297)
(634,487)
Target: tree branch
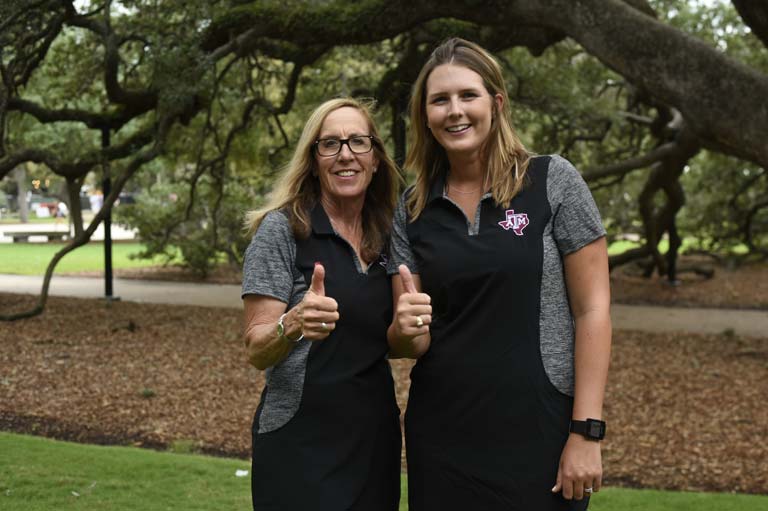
(92,120)
(674,67)
(755,16)
(627,166)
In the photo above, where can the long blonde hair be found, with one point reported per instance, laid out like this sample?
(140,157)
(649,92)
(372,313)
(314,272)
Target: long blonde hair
(297,191)
(507,158)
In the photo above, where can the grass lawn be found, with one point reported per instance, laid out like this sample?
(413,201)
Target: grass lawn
(13,220)
(33,258)
(619,246)
(39,474)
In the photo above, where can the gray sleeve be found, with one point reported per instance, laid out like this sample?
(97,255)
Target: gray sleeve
(400,247)
(270,259)
(576,220)
(269,269)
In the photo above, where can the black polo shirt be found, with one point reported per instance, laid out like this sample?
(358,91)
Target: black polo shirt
(571,220)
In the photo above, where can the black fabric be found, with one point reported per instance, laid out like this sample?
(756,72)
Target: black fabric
(484,426)
(341,450)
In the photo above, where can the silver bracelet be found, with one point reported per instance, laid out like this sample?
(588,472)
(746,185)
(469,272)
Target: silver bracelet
(281,330)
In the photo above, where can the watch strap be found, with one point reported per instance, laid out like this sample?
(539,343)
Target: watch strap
(282,333)
(592,429)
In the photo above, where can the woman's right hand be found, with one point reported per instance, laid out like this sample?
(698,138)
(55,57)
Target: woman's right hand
(413,312)
(316,314)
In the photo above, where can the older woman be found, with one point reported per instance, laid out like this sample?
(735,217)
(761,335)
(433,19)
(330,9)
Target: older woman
(326,434)
(507,308)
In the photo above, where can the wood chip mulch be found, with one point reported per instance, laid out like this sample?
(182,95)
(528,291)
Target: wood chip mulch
(743,287)
(684,411)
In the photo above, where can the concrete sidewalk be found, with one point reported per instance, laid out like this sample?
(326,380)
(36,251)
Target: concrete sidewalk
(147,291)
(634,317)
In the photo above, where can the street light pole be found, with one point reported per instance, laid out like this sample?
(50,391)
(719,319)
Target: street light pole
(106,186)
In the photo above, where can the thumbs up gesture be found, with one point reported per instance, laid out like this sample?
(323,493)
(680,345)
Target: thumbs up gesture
(317,285)
(413,313)
(317,313)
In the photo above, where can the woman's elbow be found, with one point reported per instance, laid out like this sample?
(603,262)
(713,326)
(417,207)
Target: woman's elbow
(253,356)
(259,364)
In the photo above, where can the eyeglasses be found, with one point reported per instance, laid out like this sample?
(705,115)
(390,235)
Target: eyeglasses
(360,144)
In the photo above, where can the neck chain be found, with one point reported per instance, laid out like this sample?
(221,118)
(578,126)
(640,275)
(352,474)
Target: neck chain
(452,188)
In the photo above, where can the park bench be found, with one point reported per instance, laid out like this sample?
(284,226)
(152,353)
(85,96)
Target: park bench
(23,236)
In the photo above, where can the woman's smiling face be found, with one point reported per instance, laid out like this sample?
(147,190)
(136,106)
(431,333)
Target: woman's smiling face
(345,175)
(459,109)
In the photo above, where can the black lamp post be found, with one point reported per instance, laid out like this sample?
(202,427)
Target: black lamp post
(106,188)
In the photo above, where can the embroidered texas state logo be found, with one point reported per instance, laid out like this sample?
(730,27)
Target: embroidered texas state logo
(516,222)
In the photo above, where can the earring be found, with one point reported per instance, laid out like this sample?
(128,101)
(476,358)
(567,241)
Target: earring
(375,169)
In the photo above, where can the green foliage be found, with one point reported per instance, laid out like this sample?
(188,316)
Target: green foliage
(717,23)
(722,191)
(203,236)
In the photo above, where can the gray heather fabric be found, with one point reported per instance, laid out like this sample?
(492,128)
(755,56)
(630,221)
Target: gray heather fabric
(269,269)
(399,247)
(575,222)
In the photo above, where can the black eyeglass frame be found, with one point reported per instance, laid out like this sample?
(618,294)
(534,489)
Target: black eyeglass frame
(343,141)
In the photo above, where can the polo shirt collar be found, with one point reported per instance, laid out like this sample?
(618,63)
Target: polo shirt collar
(321,224)
(437,189)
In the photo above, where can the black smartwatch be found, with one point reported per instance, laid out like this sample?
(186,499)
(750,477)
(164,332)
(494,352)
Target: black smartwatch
(591,429)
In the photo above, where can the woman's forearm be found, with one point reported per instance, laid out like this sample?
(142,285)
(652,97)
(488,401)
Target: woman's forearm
(592,355)
(264,347)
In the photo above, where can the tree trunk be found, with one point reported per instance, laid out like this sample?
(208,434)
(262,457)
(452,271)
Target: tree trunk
(20,174)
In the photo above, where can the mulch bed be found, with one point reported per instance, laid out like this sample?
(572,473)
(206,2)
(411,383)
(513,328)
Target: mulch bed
(684,411)
(743,287)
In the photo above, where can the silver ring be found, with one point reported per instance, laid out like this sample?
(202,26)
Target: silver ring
(588,490)
(419,321)
(324,326)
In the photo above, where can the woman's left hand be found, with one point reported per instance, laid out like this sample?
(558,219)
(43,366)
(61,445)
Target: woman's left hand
(581,468)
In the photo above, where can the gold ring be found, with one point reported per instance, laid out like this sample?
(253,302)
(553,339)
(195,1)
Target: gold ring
(419,321)
(324,326)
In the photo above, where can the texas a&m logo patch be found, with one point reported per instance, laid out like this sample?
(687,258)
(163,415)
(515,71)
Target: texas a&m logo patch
(515,221)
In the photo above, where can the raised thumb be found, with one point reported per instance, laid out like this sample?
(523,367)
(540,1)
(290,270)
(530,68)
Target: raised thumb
(407,279)
(317,285)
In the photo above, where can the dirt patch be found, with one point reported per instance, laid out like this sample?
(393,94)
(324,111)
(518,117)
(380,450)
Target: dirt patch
(684,411)
(745,287)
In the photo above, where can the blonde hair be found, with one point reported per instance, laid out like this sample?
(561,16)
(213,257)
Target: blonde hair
(506,157)
(297,191)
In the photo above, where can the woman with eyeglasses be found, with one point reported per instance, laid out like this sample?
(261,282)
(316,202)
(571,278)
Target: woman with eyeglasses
(326,435)
(501,282)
